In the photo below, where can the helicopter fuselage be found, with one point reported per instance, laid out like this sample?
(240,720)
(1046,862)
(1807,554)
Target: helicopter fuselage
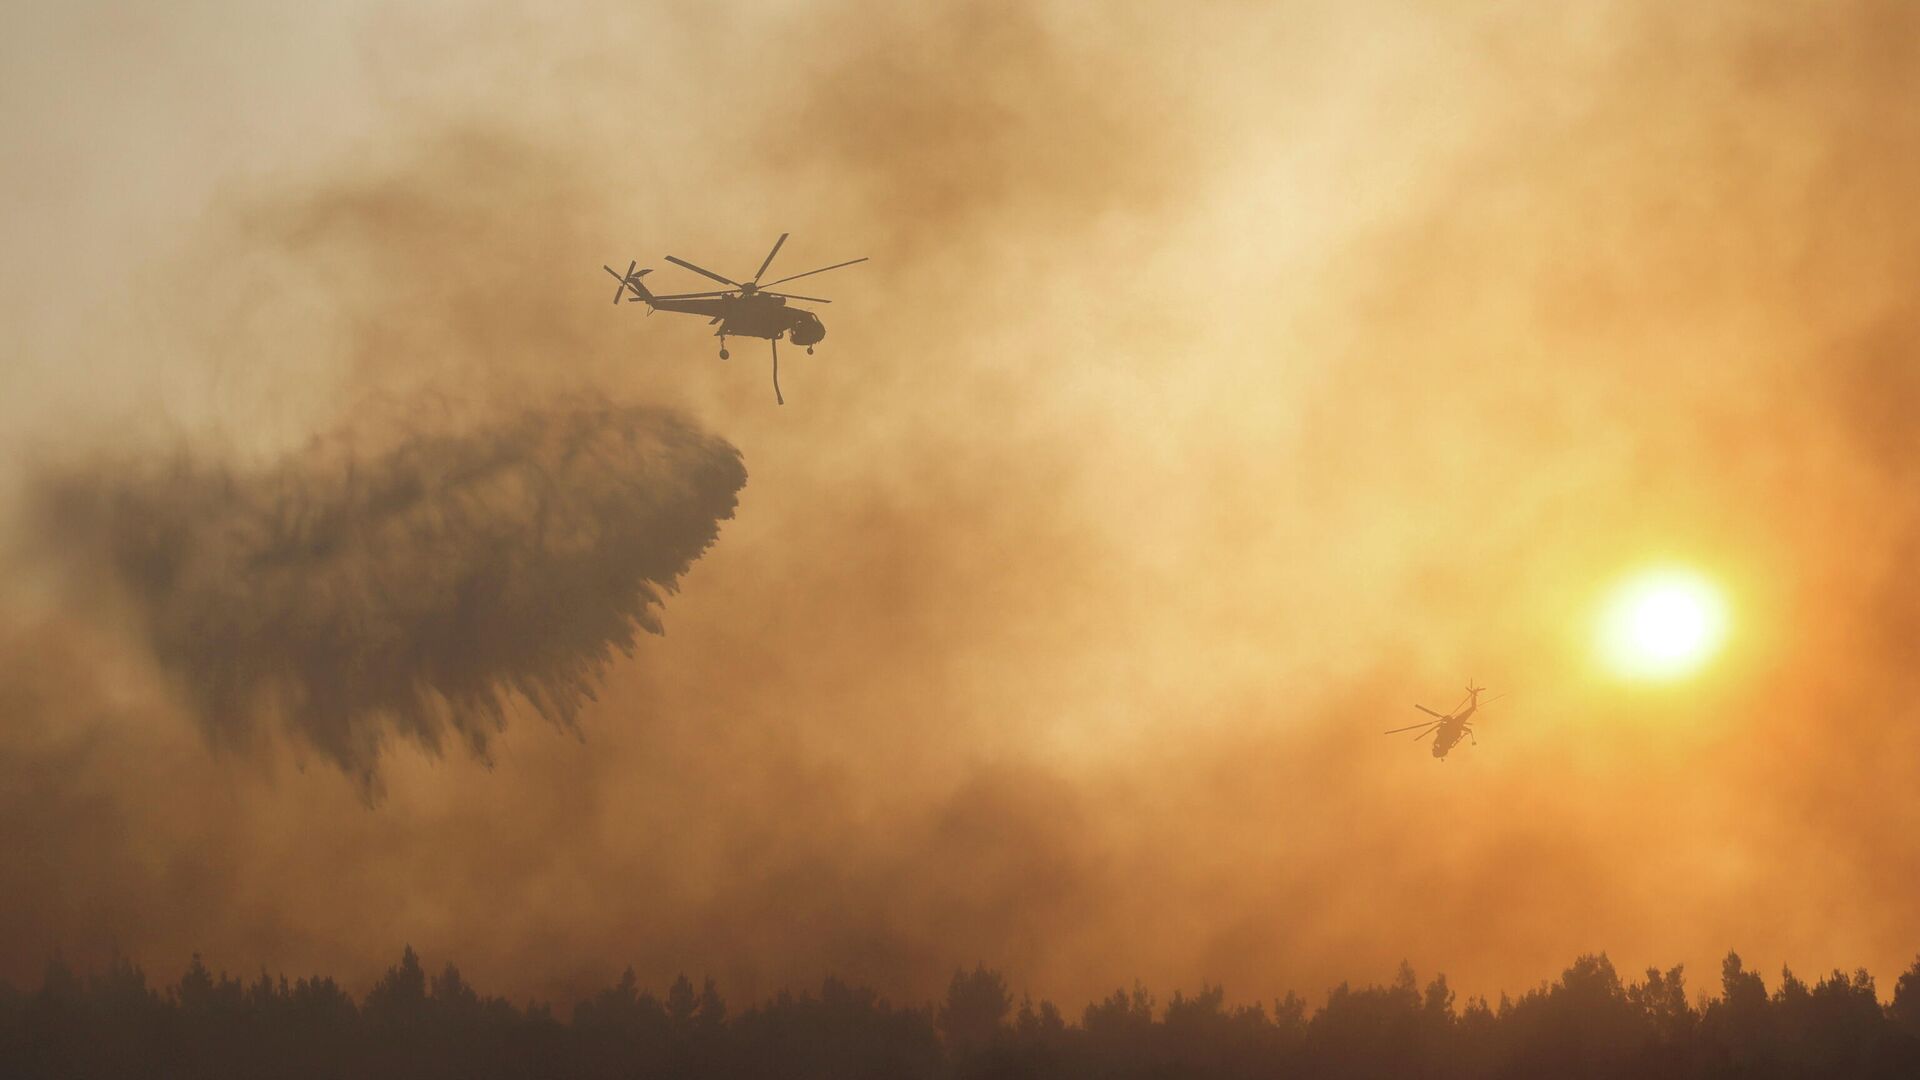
(752,315)
(1454,728)
(1447,729)
(745,309)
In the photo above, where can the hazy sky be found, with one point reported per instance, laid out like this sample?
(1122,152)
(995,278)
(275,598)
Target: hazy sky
(1227,378)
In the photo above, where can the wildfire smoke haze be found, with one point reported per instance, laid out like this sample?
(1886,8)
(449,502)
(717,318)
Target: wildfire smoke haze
(1226,379)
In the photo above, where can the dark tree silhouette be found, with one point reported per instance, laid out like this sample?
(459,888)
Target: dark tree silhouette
(974,1016)
(1587,1023)
(1905,1010)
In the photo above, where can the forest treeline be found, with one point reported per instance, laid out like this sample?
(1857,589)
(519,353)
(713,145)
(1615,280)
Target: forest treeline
(421,1026)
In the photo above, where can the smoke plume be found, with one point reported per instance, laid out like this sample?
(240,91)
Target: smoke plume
(418,592)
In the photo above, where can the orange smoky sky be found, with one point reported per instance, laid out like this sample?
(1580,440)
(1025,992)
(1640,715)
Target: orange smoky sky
(1226,378)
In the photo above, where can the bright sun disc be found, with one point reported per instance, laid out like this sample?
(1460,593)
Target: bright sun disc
(1662,624)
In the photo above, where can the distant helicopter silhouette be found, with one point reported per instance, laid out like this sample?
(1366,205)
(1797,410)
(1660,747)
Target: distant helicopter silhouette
(1448,729)
(746,310)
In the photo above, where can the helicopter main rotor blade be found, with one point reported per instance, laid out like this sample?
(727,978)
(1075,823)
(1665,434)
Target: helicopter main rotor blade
(776,250)
(697,295)
(822,270)
(1430,712)
(1410,727)
(790,296)
(677,261)
(1424,734)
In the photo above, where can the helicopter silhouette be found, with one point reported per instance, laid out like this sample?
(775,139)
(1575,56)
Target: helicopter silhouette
(748,309)
(1448,729)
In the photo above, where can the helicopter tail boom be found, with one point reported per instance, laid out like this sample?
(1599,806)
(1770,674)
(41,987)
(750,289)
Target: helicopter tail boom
(639,287)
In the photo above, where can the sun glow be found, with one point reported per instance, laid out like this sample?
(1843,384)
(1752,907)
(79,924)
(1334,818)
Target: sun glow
(1662,624)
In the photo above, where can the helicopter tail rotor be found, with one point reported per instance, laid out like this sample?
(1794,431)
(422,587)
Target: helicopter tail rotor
(629,280)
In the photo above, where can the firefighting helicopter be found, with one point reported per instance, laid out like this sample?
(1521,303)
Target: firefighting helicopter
(1448,729)
(747,309)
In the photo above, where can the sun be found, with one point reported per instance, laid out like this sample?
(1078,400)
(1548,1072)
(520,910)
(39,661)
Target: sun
(1662,624)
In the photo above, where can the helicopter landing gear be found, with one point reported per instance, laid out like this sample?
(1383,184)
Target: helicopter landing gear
(809,350)
(723,349)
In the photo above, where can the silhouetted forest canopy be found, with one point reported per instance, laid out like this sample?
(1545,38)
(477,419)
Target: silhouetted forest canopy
(1587,1023)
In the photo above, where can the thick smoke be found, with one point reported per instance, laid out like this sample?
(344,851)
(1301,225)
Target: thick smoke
(417,592)
(1225,380)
